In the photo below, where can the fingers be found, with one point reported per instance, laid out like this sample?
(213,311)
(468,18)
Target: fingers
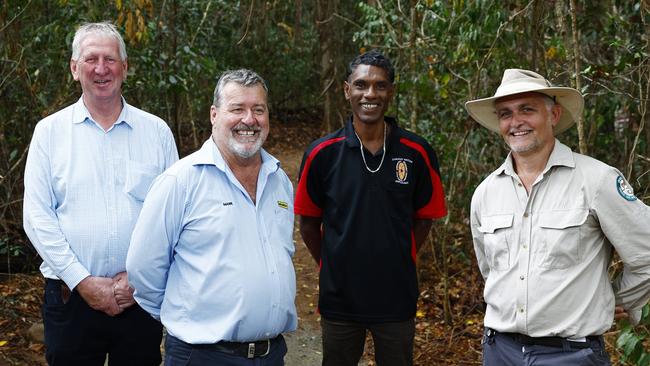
(620,313)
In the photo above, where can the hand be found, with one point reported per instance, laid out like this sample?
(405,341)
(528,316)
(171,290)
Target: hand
(97,292)
(123,292)
(620,313)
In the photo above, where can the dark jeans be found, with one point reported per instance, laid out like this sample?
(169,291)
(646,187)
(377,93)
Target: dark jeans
(502,350)
(343,342)
(179,353)
(76,334)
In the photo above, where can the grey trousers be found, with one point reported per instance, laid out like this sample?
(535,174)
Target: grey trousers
(502,350)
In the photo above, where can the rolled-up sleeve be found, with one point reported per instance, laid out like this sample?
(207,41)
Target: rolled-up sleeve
(153,240)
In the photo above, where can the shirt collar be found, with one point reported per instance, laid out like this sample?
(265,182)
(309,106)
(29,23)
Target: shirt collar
(209,154)
(352,141)
(560,156)
(80,113)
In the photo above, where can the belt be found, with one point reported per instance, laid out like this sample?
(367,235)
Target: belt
(558,342)
(242,349)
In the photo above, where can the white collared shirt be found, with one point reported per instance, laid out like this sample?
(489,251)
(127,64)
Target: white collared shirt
(84,188)
(207,261)
(544,255)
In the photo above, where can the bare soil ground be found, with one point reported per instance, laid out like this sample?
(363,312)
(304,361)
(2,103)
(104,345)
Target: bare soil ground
(436,342)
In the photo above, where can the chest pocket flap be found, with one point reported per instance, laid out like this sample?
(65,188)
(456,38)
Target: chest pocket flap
(559,237)
(494,222)
(560,219)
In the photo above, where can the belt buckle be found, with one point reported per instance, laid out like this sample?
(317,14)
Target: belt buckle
(251,349)
(268,348)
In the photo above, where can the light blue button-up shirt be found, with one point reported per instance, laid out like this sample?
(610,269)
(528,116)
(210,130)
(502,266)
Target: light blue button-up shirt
(84,188)
(207,261)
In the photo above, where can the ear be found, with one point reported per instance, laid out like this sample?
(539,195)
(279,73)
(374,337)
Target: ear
(213,115)
(125,69)
(346,90)
(556,113)
(74,70)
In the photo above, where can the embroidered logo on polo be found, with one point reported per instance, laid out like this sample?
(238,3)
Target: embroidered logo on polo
(624,189)
(402,170)
(283,204)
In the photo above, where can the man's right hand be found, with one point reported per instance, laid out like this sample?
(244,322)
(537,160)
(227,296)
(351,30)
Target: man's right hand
(98,294)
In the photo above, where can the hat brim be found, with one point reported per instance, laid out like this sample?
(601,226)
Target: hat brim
(571,101)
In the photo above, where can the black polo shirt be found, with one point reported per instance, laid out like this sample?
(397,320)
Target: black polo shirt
(368,269)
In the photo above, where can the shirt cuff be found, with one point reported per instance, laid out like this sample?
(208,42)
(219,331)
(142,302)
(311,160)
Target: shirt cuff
(74,274)
(635,316)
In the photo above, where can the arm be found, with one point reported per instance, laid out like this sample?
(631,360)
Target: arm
(152,242)
(421,228)
(477,235)
(42,227)
(310,230)
(625,224)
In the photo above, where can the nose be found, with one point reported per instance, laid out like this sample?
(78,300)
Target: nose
(248,118)
(100,66)
(371,91)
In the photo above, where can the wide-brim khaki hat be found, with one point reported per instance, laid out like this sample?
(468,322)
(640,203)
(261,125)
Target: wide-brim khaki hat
(516,81)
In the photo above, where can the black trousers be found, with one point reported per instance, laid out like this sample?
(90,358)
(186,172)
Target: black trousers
(343,342)
(76,334)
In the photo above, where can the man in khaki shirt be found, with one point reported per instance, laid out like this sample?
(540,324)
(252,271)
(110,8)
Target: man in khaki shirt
(545,224)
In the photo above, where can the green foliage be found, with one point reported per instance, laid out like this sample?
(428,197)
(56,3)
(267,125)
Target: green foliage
(630,341)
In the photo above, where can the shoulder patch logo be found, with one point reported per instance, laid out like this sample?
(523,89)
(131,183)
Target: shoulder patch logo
(624,189)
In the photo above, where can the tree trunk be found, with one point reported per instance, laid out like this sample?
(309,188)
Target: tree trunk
(582,143)
(330,75)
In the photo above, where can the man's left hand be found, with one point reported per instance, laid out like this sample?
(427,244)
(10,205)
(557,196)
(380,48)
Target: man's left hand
(123,292)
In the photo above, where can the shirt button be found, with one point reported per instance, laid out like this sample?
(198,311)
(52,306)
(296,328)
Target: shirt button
(522,277)
(519,184)
(525,214)
(521,310)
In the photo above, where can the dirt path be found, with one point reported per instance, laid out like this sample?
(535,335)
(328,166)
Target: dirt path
(305,343)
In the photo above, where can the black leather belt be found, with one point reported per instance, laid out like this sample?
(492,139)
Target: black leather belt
(548,341)
(243,349)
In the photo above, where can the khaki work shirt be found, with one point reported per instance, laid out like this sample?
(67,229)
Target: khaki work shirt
(544,255)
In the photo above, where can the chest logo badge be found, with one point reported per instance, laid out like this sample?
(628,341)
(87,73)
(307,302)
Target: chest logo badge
(401,171)
(624,189)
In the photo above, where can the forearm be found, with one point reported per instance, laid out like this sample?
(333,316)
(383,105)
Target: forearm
(421,229)
(310,230)
(632,289)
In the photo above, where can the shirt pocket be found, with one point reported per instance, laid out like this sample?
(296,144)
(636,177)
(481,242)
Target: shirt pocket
(560,237)
(283,222)
(138,179)
(497,239)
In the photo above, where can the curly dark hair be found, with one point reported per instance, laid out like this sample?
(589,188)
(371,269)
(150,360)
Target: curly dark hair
(372,58)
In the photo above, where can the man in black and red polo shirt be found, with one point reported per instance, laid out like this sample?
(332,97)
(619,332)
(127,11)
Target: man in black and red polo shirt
(366,197)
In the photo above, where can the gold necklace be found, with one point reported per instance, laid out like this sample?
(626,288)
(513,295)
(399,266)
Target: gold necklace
(363,156)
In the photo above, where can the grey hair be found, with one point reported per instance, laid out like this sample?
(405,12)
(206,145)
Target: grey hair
(104,29)
(549,101)
(243,77)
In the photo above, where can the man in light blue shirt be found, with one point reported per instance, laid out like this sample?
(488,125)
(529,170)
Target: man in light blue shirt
(210,255)
(88,170)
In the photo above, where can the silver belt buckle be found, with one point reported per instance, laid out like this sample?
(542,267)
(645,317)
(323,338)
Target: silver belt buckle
(251,349)
(268,348)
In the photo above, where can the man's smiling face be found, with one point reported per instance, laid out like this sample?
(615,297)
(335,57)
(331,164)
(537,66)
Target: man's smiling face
(369,91)
(526,121)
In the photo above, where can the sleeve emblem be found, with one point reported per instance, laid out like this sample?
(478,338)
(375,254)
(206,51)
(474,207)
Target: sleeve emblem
(624,189)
